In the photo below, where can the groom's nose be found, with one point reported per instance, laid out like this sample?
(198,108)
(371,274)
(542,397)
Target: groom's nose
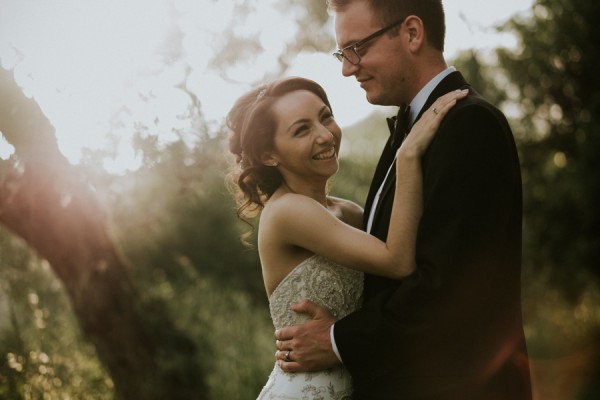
(349,69)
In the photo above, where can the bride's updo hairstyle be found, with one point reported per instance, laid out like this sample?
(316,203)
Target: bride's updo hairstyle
(252,125)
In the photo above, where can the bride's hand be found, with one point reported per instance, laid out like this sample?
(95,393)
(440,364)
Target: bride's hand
(424,129)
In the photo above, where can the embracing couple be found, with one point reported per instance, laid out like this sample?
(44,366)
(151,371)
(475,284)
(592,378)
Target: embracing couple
(417,296)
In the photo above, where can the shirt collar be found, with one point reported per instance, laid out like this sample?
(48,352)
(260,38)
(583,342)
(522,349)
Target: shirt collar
(419,101)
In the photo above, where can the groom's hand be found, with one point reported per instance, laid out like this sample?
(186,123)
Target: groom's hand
(306,347)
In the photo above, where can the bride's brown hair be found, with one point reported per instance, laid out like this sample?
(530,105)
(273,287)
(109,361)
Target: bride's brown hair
(252,125)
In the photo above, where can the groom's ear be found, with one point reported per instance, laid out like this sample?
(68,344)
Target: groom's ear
(416,32)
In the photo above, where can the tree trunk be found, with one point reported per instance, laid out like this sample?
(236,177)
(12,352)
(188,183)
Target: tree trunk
(45,202)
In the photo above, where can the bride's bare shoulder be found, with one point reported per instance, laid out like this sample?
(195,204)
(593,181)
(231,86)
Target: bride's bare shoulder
(282,207)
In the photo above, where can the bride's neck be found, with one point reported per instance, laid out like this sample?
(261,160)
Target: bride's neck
(319,193)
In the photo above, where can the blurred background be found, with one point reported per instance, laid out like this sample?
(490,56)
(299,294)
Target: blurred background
(122,274)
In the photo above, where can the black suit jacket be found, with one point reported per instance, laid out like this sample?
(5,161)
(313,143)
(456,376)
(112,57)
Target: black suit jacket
(453,329)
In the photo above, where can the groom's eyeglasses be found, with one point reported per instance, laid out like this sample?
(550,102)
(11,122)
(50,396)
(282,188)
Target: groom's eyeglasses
(350,53)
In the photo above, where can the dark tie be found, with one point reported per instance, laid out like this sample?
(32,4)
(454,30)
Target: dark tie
(399,129)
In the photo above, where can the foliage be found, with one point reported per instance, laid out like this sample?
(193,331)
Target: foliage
(175,223)
(191,258)
(558,95)
(36,327)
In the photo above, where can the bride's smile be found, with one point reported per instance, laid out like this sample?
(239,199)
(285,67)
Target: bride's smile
(326,154)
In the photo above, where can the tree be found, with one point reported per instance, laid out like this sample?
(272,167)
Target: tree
(44,201)
(557,92)
(553,82)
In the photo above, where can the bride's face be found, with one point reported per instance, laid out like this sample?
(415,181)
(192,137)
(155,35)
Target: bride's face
(307,138)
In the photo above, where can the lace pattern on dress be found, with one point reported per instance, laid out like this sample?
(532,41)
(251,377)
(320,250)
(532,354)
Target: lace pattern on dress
(321,281)
(328,284)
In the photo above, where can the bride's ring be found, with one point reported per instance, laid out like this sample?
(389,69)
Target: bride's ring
(287,356)
(435,111)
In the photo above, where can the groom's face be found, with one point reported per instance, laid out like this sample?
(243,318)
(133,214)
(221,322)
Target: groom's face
(381,71)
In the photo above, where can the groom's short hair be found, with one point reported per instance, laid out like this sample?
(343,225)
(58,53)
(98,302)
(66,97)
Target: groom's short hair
(431,13)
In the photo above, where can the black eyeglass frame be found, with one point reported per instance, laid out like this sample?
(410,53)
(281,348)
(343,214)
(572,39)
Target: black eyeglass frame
(340,54)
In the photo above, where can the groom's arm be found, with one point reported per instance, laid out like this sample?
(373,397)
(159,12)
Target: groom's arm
(309,344)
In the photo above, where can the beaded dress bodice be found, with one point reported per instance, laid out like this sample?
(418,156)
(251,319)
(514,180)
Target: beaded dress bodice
(320,281)
(326,283)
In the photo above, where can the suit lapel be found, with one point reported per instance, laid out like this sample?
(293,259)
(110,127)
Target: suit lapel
(388,185)
(386,158)
(452,82)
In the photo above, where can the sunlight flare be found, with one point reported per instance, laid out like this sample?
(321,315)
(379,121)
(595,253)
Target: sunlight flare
(98,68)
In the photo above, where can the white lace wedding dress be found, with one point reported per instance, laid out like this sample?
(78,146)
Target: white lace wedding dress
(328,284)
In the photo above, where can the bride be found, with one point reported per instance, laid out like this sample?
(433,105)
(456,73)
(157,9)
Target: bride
(310,244)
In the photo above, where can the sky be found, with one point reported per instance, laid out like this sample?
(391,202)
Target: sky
(82,60)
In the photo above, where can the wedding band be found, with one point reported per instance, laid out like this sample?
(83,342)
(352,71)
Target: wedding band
(435,111)
(287,356)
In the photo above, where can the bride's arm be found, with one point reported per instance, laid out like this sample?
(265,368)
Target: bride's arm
(301,221)
(408,199)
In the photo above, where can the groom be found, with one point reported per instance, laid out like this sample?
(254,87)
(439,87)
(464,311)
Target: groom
(452,330)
